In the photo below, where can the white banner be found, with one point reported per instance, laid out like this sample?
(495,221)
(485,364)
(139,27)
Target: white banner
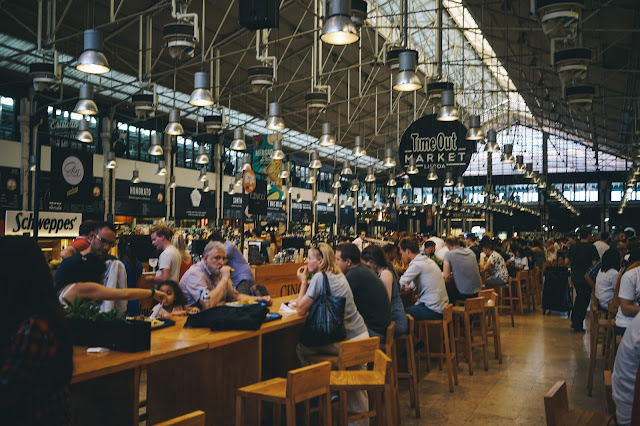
(51,224)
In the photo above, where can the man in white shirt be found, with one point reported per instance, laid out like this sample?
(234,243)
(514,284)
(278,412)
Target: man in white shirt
(624,372)
(169,260)
(360,241)
(629,292)
(601,245)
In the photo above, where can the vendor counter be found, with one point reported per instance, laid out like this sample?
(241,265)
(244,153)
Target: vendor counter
(279,279)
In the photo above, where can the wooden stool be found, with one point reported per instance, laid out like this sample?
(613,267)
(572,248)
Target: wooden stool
(300,385)
(493,325)
(516,293)
(472,308)
(349,349)
(504,296)
(389,349)
(196,418)
(525,282)
(602,331)
(447,351)
(556,407)
(411,373)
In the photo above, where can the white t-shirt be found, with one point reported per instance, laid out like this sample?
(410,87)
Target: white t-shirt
(630,290)
(521,263)
(605,286)
(601,246)
(170,259)
(624,371)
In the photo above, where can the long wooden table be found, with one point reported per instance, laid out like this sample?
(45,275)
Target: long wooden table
(187,370)
(279,279)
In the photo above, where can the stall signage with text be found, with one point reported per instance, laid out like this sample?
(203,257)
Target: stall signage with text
(192,203)
(276,211)
(233,206)
(301,212)
(140,199)
(50,224)
(326,214)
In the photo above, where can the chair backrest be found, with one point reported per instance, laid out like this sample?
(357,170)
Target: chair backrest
(196,418)
(308,382)
(389,340)
(474,305)
(447,313)
(381,362)
(556,403)
(522,275)
(357,352)
(488,295)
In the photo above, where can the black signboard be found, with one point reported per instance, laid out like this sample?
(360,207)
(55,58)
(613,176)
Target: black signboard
(439,143)
(193,203)
(10,191)
(346,216)
(140,199)
(233,206)
(257,199)
(275,211)
(88,202)
(301,212)
(326,214)
(393,216)
(72,178)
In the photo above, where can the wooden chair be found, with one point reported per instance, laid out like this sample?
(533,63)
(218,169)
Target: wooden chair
(505,300)
(493,324)
(390,350)
(348,350)
(196,418)
(472,308)
(445,339)
(515,293)
(602,331)
(611,404)
(300,385)
(411,373)
(556,407)
(524,277)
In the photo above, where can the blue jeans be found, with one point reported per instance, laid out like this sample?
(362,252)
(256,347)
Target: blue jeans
(421,312)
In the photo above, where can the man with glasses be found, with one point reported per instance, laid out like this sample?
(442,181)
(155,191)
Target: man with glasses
(208,282)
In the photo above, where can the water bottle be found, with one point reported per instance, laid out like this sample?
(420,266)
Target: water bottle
(205,296)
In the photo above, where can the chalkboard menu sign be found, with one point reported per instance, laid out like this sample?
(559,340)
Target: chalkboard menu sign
(88,200)
(257,199)
(10,191)
(301,212)
(326,214)
(275,211)
(192,203)
(233,207)
(346,216)
(141,199)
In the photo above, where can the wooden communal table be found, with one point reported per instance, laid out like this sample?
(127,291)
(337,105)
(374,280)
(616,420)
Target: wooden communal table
(280,279)
(187,370)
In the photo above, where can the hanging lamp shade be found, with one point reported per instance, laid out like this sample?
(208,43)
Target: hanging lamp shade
(284,171)
(448,111)
(406,80)
(111,161)
(412,169)
(492,145)
(278,153)
(155,147)
(448,180)
(330,202)
(162,168)
(392,179)
(507,154)
(201,95)
(358,149)
(336,181)
(84,135)
(172,182)
(246,163)
(474,132)
(346,168)
(407,183)
(536,176)
(174,127)
(275,121)
(542,182)
(460,183)
(371,177)
(298,197)
(528,171)
(519,166)
(389,159)
(432,175)
(205,187)
(32,163)
(354,185)
(327,138)
(203,175)
(202,157)
(232,189)
(313,173)
(238,143)
(135,177)
(92,60)
(338,28)
(85,104)
(343,204)
(315,162)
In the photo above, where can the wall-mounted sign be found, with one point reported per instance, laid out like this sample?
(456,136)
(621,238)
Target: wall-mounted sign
(10,198)
(51,224)
(439,143)
(140,199)
(346,216)
(72,174)
(233,206)
(301,212)
(192,203)
(88,200)
(263,163)
(276,211)
(257,199)
(325,213)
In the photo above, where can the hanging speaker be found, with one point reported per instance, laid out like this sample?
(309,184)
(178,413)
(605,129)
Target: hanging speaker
(259,14)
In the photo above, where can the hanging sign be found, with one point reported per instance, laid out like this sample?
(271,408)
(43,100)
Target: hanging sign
(346,216)
(440,143)
(72,176)
(301,212)
(50,224)
(140,199)
(88,200)
(233,206)
(326,213)
(193,203)
(263,163)
(276,211)
(257,199)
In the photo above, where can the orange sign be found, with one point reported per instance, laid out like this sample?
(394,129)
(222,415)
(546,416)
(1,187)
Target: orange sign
(249,181)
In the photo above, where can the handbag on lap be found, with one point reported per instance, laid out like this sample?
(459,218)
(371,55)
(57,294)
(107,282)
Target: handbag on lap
(325,323)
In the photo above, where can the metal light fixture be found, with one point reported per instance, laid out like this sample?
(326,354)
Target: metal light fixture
(203,175)
(111,161)
(202,157)
(460,183)
(407,183)
(312,176)
(448,180)
(238,143)
(354,186)
(315,160)
(32,163)
(536,177)
(371,177)
(389,159)
(155,148)
(336,181)
(174,127)
(406,80)
(278,153)
(542,182)
(343,204)
(135,178)
(85,104)
(358,149)
(162,168)
(201,95)
(232,189)
(346,168)
(172,182)
(275,121)
(412,169)
(214,123)
(330,202)
(433,175)
(519,166)
(327,138)
(507,154)
(84,135)
(289,189)
(528,171)
(298,197)
(474,132)
(205,187)
(448,111)
(246,163)
(92,60)
(284,171)
(392,179)
(338,29)
(492,145)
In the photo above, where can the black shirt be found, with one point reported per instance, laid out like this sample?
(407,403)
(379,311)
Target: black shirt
(80,268)
(371,298)
(581,255)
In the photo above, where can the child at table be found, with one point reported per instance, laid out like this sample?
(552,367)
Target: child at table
(175,303)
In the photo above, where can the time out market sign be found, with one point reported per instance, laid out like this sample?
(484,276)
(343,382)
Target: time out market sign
(440,143)
(50,224)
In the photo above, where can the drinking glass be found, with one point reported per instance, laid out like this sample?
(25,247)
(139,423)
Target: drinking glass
(153,262)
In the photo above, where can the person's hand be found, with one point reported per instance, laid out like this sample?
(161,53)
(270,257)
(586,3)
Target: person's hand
(193,310)
(302,274)
(226,271)
(161,297)
(266,299)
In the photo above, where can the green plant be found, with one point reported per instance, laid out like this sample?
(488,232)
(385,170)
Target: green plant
(87,309)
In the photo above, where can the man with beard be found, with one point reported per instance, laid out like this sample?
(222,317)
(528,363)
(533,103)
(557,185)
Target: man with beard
(211,276)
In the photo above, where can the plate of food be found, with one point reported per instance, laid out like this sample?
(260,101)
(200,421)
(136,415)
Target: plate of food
(155,323)
(240,303)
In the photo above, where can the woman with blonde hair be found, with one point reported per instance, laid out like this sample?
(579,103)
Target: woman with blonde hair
(179,243)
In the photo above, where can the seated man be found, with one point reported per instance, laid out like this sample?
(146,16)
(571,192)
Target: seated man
(369,292)
(85,235)
(494,265)
(624,372)
(629,292)
(461,271)
(241,276)
(212,278)
(430,251)
(424,277)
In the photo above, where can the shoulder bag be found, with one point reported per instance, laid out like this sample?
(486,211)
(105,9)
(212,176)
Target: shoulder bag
(325,323)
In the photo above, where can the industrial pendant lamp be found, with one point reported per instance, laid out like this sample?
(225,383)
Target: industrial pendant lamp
(412,169)
(392,179)
(172,182)
(162,169)
(407,183)
(389,159)
(32,163)
(330,202)
(343,204)
(528,172)
(84,135)
(203,175)
(519,166)
(135,178)
(492,145)
(312,176)
(238,144)
(278,153)
(507,154)
(298,197)
(338,28)
(354,185)
(232,189)
(327,138)
(92,60)
(371,177)
(174,127)
(111,161)
(155,148)
(284,172)
(542,182)
(475,132)
(460,183)
(275,121)
(448,111)
(358,149)
(201,95)
(315,160)
(246,163)
(432,173)
(406,80)
(336,181)
(346,168)
(85,104)
(205,187)
(202,157)
(448,180)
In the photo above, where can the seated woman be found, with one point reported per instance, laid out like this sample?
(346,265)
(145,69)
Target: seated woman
(376,259)
(607,277)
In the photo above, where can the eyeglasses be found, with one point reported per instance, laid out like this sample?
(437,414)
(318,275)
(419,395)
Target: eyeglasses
(219,258)
(104,242)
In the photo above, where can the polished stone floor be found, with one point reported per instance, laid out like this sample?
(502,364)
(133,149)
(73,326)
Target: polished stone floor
(536,353)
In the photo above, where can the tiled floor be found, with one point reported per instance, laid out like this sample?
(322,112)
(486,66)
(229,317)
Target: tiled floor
(536,353)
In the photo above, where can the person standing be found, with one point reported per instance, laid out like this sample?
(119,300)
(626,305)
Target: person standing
(241,275)
(581,256)
(602,244)
(460,268)
(360,241)
(85,234)
(169,260)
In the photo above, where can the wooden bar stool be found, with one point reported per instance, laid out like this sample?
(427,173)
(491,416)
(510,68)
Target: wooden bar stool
(300,385)
(390,350)
(493,325)
(195,418)
(349,349)
(411,373)
(602,330)
(556,407)
(515,291)
(447,351)
(504,296)
(472,308)
(527,290)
